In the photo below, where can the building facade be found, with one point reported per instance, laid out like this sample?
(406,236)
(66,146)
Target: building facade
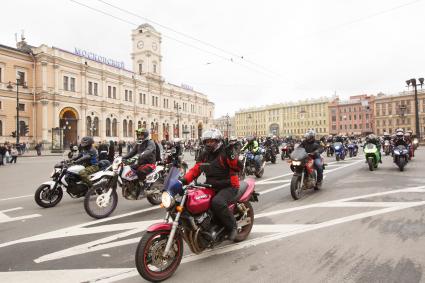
(226,125)
(352,117)
(284,119)
(398,111)
(72,94)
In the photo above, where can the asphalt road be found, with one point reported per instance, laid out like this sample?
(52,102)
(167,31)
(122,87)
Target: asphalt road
(361,227)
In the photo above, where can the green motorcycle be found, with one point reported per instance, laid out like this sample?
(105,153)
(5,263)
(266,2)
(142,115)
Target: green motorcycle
(372,156)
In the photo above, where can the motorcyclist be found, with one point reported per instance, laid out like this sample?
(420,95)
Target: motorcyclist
(338,138)
(252,146)
(269,142)
(234,147)
(221,171)
(146,150)
(400,139)
(313,147)
(371,138)
(88,158)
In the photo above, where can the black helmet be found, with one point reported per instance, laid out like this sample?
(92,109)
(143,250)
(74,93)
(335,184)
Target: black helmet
(86,142)
(142,134)
(310,135)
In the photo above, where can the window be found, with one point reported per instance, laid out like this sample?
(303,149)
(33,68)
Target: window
(90,88)
(23,129)
(156,101)
(130,96)
(114,127)
(114,92)
(130,128)
(21,77)
(124,128)
(154,68)
(96,127)
(21,107)
(72,85)
(126,95)
(65,83)
(1,128)
(109,91)
(140,68)
(108,127)
(1,74)
(153,100)
(1,105)
(95,89)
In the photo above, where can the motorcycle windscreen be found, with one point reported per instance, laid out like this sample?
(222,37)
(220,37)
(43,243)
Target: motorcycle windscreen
(171,183)
(299,154)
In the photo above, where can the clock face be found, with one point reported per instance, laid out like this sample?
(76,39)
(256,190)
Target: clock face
(140,44)
(154,46)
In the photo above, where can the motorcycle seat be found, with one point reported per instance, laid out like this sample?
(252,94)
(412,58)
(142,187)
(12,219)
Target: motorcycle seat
(243,186)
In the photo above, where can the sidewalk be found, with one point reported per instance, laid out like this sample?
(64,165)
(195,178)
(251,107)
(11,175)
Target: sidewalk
(33,153)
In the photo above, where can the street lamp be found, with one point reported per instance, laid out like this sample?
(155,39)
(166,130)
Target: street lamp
(413,83)
(10,87)
(227,125)
(177,107)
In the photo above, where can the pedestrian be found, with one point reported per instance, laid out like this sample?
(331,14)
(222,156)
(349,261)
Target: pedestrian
(2,154)
(111,151)
(38,148)
(14,153)
(120,148)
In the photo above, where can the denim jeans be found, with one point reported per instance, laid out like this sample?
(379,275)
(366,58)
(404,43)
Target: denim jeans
(258,158)
(319,167)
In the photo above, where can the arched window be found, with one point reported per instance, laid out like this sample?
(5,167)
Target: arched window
(108,127)
(114,127)
(124,128)
(1,128)
(152,128)
(139,124)
(130,128)
(144,124)
(88,126)
(96,126)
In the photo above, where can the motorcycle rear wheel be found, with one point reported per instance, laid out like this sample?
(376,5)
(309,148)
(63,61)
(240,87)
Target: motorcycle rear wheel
(244,233)
(296,187)
(44,200)
(150,249)
(260,173)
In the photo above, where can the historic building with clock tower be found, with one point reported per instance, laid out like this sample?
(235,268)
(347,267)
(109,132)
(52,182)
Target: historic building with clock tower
(146,54)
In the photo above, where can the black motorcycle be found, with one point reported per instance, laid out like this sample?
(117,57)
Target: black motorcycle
(401,156)
(270,154)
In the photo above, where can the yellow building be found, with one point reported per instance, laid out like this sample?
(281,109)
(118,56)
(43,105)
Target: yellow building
(293,118)
(398,111)
(73,94)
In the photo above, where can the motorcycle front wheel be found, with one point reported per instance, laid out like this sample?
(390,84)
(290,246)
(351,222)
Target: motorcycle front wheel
(47,198)
(150,262)
(260,173)
(97,206)
(370,163)
(296,187)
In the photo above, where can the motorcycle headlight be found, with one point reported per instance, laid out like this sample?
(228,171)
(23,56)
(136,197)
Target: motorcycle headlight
(296,163)
(167,200)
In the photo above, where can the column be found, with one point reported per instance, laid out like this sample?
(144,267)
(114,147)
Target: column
(104,92)
(83,83)
(55,114)
(56,68)
(82,122)
(119,124)
(44,75)
(44,117)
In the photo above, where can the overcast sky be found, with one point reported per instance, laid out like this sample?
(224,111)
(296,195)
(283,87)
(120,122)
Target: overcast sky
(291,49)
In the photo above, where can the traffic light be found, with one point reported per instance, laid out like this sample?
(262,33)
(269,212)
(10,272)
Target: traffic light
(13,134)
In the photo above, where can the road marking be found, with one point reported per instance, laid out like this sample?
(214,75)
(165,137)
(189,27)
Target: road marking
(16,197)
(4,218)
(274,182)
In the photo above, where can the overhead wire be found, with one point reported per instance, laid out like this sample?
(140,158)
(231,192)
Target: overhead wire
(176,40)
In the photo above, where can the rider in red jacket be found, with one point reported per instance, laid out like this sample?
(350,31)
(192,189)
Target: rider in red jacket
(221,171)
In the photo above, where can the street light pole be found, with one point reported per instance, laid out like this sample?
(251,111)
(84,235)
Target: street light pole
(413,82)
(227,125)
(17,112)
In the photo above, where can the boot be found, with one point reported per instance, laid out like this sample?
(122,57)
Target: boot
(232,234)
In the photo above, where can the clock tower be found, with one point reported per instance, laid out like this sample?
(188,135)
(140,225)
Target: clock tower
(146,54)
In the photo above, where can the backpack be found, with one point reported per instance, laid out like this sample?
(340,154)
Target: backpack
(157,152)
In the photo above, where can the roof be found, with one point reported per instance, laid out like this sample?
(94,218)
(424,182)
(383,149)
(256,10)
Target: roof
(13,49)
(146,25)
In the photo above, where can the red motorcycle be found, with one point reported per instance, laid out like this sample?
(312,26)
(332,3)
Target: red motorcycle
(189,218)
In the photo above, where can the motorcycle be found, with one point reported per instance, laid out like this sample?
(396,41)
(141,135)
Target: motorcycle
(286,151)
(387,147)
(66,175)
(339,151)
(100,202)
(401,156)
(372,155)
(329,150)
(249,167)
(305,174)
(189,219)
(270,154)
(352,149)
